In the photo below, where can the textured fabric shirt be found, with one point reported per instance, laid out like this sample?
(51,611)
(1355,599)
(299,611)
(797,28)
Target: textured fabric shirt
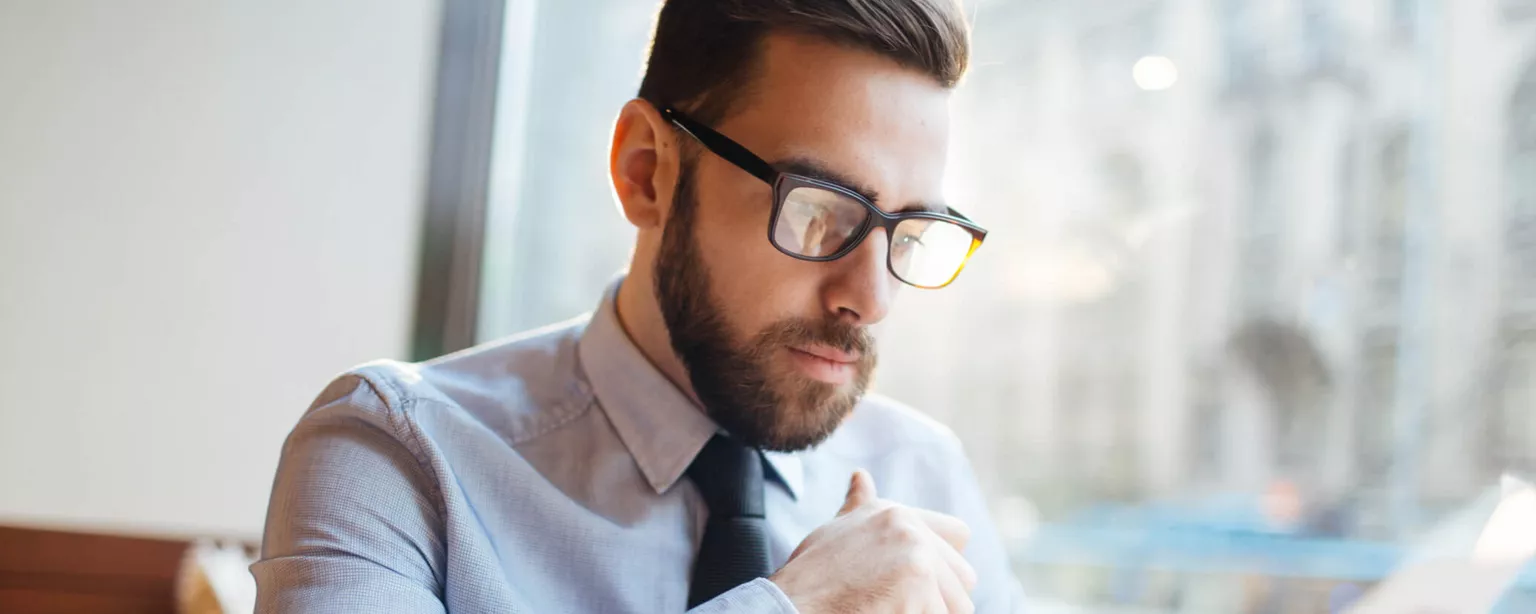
(545,474)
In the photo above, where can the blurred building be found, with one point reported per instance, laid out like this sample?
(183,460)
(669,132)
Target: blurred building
(1234,242)
(1312,258)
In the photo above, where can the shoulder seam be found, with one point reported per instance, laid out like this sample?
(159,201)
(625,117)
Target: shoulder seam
(399,414)
(577,402)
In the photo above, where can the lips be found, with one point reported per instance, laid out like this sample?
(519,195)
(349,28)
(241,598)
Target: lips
(829,354)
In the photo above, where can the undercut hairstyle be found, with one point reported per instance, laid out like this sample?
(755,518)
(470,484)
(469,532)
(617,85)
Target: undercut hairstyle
(704,53)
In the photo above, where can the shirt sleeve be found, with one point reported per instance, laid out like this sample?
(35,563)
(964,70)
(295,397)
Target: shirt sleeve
(760,596)
(352,525)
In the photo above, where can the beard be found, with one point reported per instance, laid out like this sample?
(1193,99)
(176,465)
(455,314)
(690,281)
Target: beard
(761,404)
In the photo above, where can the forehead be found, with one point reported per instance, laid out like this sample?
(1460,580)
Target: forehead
(852,111)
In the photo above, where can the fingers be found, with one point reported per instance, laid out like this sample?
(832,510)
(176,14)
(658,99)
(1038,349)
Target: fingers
(861,492)
(957,566)
(952,529)
(956,578)
(957,597)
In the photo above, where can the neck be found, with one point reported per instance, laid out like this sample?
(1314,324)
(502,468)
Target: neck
(640,315)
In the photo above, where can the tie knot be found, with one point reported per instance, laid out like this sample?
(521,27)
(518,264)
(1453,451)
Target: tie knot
(730,477)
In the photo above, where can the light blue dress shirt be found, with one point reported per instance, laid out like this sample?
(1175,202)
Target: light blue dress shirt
(544,474)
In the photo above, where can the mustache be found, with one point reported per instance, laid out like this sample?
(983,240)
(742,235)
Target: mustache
(829,332)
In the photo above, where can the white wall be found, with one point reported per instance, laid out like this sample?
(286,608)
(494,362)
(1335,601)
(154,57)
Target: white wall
(206,210)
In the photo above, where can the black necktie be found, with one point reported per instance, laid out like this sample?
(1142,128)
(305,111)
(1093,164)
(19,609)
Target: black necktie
(735,548)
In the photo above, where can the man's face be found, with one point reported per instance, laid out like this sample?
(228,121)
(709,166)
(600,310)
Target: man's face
(778,349)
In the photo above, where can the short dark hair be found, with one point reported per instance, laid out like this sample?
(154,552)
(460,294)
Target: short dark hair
(703,52)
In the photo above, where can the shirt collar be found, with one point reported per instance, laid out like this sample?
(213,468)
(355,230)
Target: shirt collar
(791,473)
(662,428)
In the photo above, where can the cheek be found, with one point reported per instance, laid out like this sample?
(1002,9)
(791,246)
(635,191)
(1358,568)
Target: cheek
(754,283)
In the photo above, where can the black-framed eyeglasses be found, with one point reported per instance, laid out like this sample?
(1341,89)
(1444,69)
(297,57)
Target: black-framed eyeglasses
(821,221)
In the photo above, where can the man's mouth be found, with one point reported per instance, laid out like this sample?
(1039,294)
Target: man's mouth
(825,364)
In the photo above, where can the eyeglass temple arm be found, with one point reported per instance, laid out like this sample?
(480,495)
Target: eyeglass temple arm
(967,220)
(723,146)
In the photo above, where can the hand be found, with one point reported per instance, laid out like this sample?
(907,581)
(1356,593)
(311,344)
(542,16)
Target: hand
(877,556)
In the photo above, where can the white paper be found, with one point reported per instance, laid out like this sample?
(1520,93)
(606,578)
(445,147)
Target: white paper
(1470,583)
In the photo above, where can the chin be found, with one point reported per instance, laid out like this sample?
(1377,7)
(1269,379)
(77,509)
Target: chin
(811,411)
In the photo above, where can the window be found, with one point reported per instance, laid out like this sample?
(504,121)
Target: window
(1520,179)
(1376,396)
(1264,226)
(1514,432)
(563,238)
(1404,19)
(1242,41)
(1387,220)
(1086,357)
(1518,9)
(1322,33)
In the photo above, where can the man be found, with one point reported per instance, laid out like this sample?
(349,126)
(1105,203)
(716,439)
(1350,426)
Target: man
(702,441)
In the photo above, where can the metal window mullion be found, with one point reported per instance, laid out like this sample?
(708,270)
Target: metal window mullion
(463,126)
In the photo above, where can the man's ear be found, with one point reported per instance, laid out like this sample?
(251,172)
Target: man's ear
(643,164)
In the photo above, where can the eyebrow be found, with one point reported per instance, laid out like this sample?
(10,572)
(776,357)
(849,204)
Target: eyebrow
(814,169)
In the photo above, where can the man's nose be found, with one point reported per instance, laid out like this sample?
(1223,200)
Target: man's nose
(860,290)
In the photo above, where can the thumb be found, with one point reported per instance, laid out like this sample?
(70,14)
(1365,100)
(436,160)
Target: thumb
(861,491)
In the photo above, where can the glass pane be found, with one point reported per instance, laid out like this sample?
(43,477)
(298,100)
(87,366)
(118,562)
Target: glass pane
(1188,319)
(928,252)
(549,127)
(817,223)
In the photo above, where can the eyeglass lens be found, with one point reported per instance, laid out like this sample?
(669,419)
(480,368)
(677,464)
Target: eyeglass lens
(818,223)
